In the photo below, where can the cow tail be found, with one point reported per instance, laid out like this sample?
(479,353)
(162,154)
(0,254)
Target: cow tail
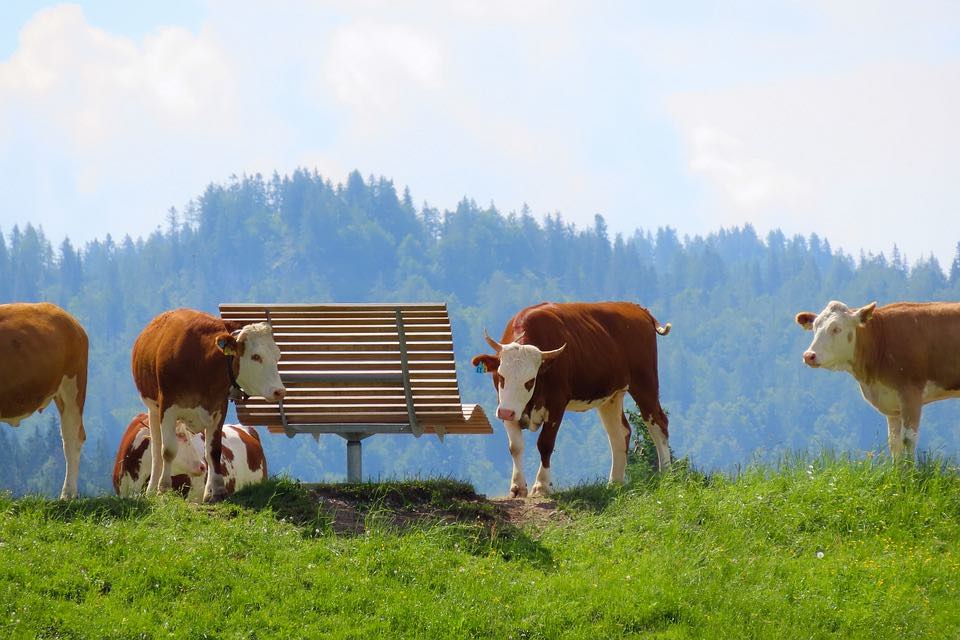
(664,330)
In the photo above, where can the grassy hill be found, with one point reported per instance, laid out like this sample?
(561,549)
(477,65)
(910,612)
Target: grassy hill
(821,548)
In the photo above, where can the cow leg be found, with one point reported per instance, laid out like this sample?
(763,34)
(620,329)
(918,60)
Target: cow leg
(168,445)
(518,484)
(657,422)
(611,415)
(71,432)
(658,433)
(215,489)
(911,406)
(156,456)
(545,445)
(895,436)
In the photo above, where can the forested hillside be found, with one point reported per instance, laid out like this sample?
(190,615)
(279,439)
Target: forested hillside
(731,372)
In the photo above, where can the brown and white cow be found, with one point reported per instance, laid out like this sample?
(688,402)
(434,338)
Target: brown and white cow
(562,357)
(903,355)
(185,364)
(241,455)
(131,469)
(43,357)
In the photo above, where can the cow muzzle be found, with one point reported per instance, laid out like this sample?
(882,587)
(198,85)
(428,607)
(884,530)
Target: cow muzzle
(278,394)
(506,414)
(810,359)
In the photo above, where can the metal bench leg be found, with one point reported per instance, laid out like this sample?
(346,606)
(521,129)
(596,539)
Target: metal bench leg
(354,461)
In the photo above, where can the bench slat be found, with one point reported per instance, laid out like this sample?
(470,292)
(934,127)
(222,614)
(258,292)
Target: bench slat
(342,365)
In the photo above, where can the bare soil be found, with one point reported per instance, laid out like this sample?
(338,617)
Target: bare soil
(350,514)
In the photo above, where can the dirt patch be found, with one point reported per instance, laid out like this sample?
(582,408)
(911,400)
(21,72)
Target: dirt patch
(350,510)
(536,513)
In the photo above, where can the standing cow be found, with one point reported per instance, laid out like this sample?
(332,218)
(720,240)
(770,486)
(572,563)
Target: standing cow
(43,357)
(903,355)
(576,356)
(186,364)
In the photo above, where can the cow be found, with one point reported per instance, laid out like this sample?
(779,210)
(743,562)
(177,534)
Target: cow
(903,356)
(241,456)
(131,471)
(186,364)
(558,357)
(43,357)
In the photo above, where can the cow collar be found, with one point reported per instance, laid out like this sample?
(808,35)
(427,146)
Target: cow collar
(236,392)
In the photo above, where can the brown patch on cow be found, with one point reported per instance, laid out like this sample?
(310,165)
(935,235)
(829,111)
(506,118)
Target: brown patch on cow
(805,319)
(42,343)
(231,486)
(129,458)
(909,344)
(182,483)
(177,353)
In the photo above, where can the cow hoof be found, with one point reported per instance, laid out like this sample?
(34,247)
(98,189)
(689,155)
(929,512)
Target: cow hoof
(540,491)
(216,497)
(518,492)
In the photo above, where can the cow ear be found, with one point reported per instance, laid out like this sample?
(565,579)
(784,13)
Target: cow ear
(228,344)
(486,363)
(805,319)
(865,312)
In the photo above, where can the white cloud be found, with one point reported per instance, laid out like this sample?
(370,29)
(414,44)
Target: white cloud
(376,69)
(864,155)
(102,132)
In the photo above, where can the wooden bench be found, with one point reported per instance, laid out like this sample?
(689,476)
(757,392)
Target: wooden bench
(356,370)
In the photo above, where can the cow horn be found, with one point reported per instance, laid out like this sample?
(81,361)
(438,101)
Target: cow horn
(496,346)
(517,337)
(550,355)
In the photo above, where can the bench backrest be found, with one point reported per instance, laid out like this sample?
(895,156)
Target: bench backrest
(371,368)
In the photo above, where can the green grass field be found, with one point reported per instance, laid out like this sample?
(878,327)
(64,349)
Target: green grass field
(821,548)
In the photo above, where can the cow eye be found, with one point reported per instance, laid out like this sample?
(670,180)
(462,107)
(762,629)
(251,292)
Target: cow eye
(256,357)
(834,330)
(529,383)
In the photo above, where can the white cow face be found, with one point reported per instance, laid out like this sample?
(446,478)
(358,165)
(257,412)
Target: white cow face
(190,458)
(515,375)
(258,354)
(834,334)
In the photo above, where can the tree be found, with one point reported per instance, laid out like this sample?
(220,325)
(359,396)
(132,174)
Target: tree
(955,268)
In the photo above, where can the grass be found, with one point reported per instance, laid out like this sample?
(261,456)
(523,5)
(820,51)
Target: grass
(827,547)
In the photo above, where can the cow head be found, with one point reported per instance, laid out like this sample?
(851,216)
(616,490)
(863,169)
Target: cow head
(834,334)
(253,346)
(515,368)
(190,458)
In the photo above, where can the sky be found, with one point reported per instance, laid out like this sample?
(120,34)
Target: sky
(828,117)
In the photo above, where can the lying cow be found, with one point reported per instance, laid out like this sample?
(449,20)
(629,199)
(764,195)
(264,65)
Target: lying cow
(903,355)
(43,357)
(131,469)
(576,356)
(241,455)
(186,364)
